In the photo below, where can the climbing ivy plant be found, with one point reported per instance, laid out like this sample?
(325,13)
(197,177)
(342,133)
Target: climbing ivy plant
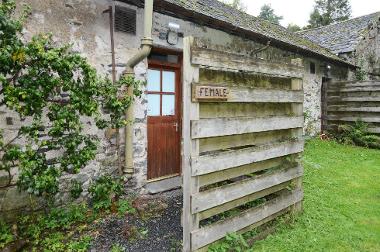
(51,88)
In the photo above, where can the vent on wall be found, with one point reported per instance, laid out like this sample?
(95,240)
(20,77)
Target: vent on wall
(125,20)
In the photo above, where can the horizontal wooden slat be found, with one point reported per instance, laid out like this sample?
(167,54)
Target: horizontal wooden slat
(354,119)
(374,130)
(232,126)
(354,109)
(343,84)
(354,99)
(214,232)
(241,201)
(228,159)
(355,89)
(253,226)
(238,202)
(221,195)
(215,177)
(212,144)
(233,62)
(244,94)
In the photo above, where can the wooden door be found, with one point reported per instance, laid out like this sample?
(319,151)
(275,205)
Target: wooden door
(324,105)
(164,120)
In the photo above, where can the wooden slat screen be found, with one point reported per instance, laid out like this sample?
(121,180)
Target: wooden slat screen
(243,153)
(348,102)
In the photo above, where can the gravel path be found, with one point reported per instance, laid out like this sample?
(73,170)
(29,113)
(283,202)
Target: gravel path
(156,227)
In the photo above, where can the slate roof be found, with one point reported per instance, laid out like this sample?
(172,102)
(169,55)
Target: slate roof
(341,37)
(217,15)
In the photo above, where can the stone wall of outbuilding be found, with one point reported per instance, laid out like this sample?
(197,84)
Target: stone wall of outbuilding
(367,54)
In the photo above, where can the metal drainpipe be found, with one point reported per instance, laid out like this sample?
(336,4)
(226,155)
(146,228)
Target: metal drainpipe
(146,47)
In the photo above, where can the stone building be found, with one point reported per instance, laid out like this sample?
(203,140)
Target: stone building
(86,25)
(356,40)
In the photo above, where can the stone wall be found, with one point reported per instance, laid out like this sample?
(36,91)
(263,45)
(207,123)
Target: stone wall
(83,23)
(367,53)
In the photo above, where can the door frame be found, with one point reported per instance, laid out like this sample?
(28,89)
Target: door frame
(324,109)
(178,106)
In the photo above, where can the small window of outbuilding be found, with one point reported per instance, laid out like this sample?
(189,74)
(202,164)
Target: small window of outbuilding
(312,67)
(125,20)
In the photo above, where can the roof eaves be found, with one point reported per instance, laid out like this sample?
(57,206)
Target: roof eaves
(186,12)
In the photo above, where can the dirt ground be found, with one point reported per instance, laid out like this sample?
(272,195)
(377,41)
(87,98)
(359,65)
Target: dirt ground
(156,226)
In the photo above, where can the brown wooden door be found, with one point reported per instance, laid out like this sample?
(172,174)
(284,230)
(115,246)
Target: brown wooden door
(164,120)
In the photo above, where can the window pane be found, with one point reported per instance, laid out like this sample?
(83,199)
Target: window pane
(153,80)
(168,81)
(153,104)
(173,58)
(168,104)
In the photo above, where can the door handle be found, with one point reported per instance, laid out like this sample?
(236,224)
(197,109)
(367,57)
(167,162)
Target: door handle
(176,127)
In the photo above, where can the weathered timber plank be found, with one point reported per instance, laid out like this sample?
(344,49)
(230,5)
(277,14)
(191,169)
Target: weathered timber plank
(233,62)
(215,177)
(215,197)
(214,232)
(212,144)
(243,94)
(348,84)
(355,89)
(263,221)
(353,99)
(374,130)
(297,84)
(251,227)
(353,109)
(190,147)
(228,159)
(241,201)
(354,119)
(215,110)
(233,126)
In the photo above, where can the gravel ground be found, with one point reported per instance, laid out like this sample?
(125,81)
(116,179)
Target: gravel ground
(156,227)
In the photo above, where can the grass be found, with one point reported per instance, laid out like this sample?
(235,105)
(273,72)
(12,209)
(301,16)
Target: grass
(342,202)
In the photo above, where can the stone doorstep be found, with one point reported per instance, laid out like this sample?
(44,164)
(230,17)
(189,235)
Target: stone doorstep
(164,185)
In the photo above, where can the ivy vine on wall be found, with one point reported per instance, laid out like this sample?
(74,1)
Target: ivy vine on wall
(51,88)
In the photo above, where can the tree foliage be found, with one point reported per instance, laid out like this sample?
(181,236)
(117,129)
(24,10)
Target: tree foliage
(51,88)
(293,27)
(267,13)
(327,12)
(237,4)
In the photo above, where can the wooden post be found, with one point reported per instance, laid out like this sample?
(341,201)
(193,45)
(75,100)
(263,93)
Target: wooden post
(297,109)
(190,147)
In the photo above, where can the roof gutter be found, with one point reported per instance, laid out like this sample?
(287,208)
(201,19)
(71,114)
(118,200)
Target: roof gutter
(146,47)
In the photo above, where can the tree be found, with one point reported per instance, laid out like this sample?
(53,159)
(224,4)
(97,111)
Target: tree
(267,13)
(237,4)
(51,88)
(293,28)
(327,12)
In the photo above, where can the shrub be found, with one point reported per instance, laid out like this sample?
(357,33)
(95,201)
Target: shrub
(103,191)
(232,242)
(357,134)
(75,189)
(125,207)
(59,230)
(5,234)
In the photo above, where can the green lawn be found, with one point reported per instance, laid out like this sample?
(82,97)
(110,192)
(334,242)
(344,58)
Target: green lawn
(342,202)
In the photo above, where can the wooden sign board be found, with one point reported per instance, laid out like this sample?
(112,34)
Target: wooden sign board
(210,93)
